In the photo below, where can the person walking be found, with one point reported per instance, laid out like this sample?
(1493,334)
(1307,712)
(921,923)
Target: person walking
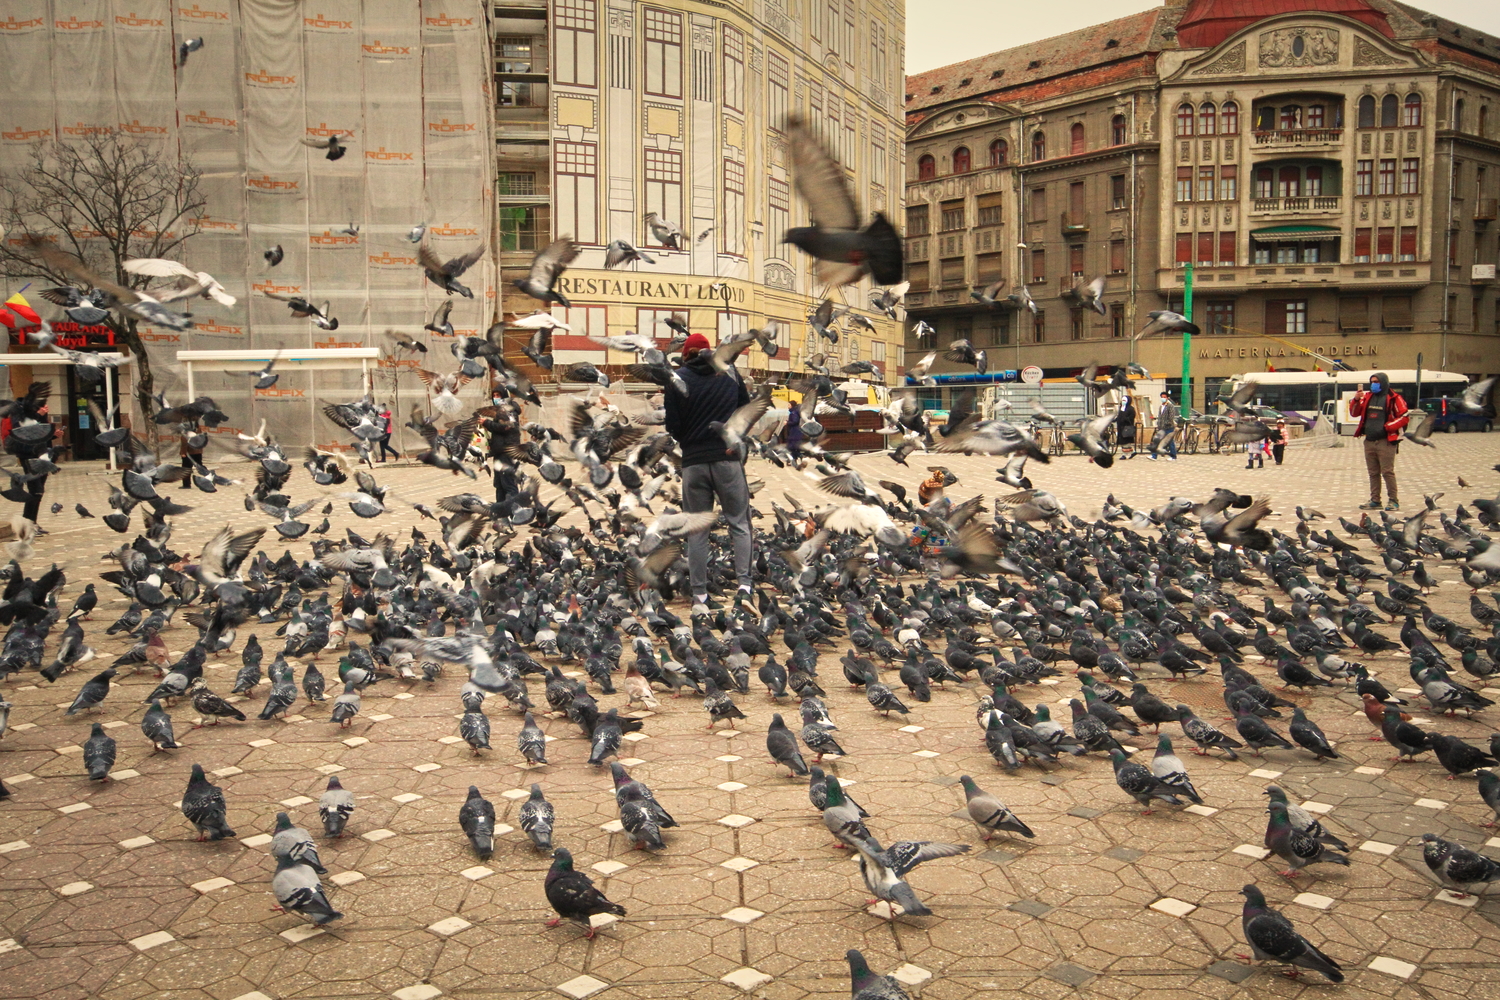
(37,488)
(385,435)
(1255,454)
(1125,425)
(504,430)
(707,472)
(1166,429)
(191,450)
(1278,440)
(793,432)
(1382,415)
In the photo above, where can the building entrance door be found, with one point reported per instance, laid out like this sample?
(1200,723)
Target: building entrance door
(82,427)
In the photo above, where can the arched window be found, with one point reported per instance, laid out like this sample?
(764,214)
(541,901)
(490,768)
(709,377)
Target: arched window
(1458,115)
(1038,146)
(1206,118)
(926,168)
(1117,130)
(961,160)
(1413,111)
(1389,109)
(1265,178)
(1229,118)
(1184,119)
(1075,138)
(1289,183)
(1366,112)
(1291,117)
(999,153)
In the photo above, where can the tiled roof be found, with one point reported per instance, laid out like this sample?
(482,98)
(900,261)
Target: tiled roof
(1206,23)
(994,74)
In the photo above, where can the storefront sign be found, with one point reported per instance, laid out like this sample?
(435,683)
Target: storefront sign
(672,291)
(1338,351)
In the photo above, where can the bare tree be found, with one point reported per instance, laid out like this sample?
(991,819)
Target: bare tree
(105,199)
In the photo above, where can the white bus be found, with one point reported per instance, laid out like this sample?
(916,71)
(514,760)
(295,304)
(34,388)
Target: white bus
(1307,395)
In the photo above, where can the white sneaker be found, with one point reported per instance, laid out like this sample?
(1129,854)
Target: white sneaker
(1152,457)
(1171,458)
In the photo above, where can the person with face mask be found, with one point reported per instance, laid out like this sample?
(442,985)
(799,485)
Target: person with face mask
(1382,415)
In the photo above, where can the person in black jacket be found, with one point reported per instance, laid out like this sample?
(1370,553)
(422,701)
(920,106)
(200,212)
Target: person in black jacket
(504,429)
(707,471)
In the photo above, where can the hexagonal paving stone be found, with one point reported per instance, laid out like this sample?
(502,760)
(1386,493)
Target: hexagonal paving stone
(9,944)
(746,979)
(74,888)
(14,845)
(329,768)
(1431,804)
(515,794)
(356,741)
(227,772)
(259,840)
(631,761)
(582,986)
(126,774)
(1198,810)
(1321,808)
(382,717)
(209,885)
(1393,967)
(424,768)
(261,743)
(736,821)
(731,786)
(1261,772)
(728,758)
(1251,851)
(450,740)
(613,826)
(1369,770)
(449,926)
(1447,896)
(742,915)
(1232,971)
(738,864)
(421,991)
(135,842)
(68,810)
(1376,847)
(926,753)
(911,729)
(608,867)
(477,872)
(346,878)
(301,933)
(296,800)
(148,941)
(376,836)
(405,797)
(1068,974)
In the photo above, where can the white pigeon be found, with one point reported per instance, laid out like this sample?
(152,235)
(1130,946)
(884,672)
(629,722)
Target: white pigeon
(157,267)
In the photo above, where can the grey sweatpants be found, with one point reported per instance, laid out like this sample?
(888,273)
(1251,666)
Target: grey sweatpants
(700,485)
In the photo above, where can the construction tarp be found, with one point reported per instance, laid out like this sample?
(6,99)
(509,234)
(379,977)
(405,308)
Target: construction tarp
(407,84)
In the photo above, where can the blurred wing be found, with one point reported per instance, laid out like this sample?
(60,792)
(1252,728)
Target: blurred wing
(820,180)
(156,267)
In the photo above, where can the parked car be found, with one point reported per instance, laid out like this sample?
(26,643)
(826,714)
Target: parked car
(1450,421)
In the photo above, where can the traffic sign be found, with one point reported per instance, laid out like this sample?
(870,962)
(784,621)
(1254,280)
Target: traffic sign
(1031,375)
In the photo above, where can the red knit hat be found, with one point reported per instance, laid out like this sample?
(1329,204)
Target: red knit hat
(696,342)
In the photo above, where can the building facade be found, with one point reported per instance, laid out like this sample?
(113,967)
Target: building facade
(1329,176)
(609,111)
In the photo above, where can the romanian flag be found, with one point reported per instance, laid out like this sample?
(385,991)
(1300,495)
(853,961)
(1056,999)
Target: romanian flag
(16,307)
(1270,367)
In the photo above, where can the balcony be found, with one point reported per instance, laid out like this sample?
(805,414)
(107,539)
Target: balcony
(1305,205)
(1298,137)
(1484,209)
(1074,223)
(1303,275)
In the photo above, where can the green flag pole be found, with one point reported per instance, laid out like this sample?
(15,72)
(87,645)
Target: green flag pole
(1187,345)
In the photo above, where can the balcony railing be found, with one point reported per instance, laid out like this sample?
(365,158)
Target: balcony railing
(1484,209)
(1074,222)
(1305,204)
(1298,136)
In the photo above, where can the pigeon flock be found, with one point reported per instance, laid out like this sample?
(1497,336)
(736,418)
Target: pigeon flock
(556,613)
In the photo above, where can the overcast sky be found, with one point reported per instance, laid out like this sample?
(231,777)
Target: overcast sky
(939,32)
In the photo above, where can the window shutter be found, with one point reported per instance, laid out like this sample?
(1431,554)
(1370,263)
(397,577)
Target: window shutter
(1397,312)
(1354,314)
(1276,316)
(1205,248)
(1227,243)
(1408,241)
(1184,247)
(1385,241)
(1362,242)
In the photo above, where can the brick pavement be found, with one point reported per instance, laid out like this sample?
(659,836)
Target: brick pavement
(107,895)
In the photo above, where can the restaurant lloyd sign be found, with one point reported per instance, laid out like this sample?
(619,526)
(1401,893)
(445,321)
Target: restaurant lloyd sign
(670,291)
(1331,351)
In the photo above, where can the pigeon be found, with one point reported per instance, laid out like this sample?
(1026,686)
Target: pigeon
(185,48)
(1458,757)
(1456,865)
(781,743)
(211,706)
(1489,791)
(1298,848)
(477,818)
(334,148)
(1309,737)
(1140,784)
(275,255)
(536,819)
(546,267)
(98,753)
(844,251)
(296,843)
(203,805)
(474,727)
(1167,766)
(572,895)
(157,727)
(1272,937)
(866,985)
(335,807)
(883,871)
(1408,739)
(93,692)
(531,742)
(817,792)
(667,234)
(990,814)
(297,889)
(1257,734)
(621,252)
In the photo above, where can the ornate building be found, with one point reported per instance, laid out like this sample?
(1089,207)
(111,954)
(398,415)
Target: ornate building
(609,111)
(1330,172)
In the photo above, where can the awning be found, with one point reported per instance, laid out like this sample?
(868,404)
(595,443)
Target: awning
(1282,234)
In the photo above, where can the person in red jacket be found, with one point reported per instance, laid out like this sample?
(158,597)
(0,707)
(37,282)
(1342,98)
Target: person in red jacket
(1382,415)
